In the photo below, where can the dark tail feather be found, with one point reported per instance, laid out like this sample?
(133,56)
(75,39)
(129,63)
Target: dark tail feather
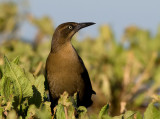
(87,103)
(93,92)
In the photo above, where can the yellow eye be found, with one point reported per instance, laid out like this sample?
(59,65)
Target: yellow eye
(70,27)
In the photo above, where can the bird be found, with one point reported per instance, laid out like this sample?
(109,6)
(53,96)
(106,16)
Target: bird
(65,70)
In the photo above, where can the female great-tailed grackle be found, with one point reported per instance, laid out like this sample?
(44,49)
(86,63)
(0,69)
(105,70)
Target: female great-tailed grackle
(65,70)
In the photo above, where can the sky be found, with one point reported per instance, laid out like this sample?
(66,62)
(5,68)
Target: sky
(117,13)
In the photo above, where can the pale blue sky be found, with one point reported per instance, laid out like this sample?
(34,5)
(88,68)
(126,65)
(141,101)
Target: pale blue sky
(117,13)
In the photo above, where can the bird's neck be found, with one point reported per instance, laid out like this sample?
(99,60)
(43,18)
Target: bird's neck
(57,46)
(66,51)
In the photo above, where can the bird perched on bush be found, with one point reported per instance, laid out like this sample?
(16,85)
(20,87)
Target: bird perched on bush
(65,70)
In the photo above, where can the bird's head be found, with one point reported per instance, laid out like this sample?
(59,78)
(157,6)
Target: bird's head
(65,31)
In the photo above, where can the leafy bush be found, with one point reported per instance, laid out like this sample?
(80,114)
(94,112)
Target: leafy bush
(23,96)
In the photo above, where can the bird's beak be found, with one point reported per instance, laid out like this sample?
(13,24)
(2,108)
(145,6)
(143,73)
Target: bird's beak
(82,25)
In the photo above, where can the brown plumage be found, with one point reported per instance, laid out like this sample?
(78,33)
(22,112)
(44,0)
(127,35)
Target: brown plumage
(65,70)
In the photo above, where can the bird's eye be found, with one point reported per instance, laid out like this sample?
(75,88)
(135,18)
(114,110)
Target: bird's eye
(70,27)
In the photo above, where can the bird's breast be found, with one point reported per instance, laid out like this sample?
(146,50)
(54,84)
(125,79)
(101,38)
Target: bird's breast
(65,60)
(64,70)
(64,73)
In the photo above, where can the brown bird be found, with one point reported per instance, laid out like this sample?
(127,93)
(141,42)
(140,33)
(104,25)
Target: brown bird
(65,70)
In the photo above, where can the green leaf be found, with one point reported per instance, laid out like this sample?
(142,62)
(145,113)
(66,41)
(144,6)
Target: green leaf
(16,60)
(12,115)
(39,84)
(20,117)
(139,115)
(21,85)
(71,111)
(8,107)
(7,88)
(129,115)
(30,77)
(115,117)
(60,114)
(38,91)
(31,113)
(45,111)
(1,112)
(104,111)
(126,115)
(73,99)
(152,112)
(64,99)
(82,112)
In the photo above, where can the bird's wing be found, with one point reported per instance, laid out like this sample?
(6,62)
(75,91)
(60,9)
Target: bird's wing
(85,76)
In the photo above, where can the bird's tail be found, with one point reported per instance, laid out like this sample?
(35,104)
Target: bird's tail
(93,92)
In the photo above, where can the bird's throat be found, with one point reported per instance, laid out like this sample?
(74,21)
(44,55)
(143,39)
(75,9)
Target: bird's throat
(56,46)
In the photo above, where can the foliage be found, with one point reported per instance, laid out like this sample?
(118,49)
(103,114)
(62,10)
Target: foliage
(124,73)
(19,90)
(8,17)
